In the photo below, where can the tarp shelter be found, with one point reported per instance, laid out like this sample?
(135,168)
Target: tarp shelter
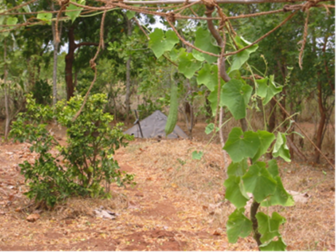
(154,126)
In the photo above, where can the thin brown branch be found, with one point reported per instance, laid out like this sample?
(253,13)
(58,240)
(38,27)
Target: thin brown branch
(150,2)
(303,42)
(93,65)
(188,43)
(63,7)
(20,6)
(264,36)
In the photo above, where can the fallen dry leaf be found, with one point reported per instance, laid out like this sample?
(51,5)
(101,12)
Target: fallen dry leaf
(139,194)
(218,231)
(33,217)
(332,247)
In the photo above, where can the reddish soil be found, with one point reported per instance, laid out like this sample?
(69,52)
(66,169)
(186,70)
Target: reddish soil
(164,211)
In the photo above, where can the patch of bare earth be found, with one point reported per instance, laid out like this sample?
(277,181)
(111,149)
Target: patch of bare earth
(177,204)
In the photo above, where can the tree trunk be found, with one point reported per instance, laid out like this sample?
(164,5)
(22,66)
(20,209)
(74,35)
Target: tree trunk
(69,60)
(56,45)
(321,125)
(6,89)
(128,75)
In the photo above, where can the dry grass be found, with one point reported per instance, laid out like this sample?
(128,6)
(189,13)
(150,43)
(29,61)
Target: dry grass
(200,178)
(310,226)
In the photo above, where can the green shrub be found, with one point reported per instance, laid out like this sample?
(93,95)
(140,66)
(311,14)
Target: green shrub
(42,92)
(88,154)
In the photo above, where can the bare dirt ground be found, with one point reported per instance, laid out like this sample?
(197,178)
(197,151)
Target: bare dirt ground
(177,204)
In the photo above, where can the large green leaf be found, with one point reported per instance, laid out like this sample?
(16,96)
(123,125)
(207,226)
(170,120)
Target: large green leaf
(278,245)
(208,76)
(74,11)
(203,41)
(197,155)
(175,53)
(238,225)
(280,196)
(212,98)
(269,227)
(11,21)
(259,181)
(130,14)
(188,65)
(237,169)
(209,128)
(273,168)
(241,144)
(236,96)
(266,138)
(267,89)
(2,19)
(44,16)
(280,148)
(240,58)
(235,191)
(161,42)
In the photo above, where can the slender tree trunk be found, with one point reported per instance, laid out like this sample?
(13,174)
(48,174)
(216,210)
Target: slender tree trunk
(69,60)
(56,45)
(6,89)
(321,125)
(128,75)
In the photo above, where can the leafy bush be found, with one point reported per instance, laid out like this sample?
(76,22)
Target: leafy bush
(87,156)
(42,92)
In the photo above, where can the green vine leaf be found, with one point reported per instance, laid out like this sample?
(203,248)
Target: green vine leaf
(280,148)
(208,76)
(203,41)
(240,58)
(212,98)
(235,191)
(11,21)
(269,227)
(161,42)
(71,10)
(266,138)
(209,128)
(236,95)
(280,196)
(175,53)
(237,169)
(273,168)
(46,17)
(278,245)
(197,155)
(267,89)
(259,181)
(241,144)
(188,65)
(238,225)
(130,14)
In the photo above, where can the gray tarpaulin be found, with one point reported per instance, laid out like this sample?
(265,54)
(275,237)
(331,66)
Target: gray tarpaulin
(154,126)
